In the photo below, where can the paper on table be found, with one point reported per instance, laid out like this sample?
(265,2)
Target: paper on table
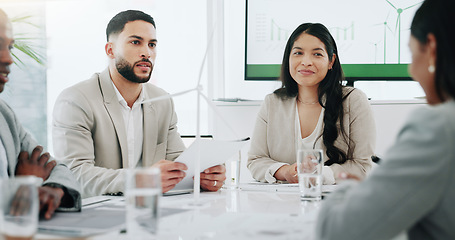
(108,216)
(212,153)
(84,223)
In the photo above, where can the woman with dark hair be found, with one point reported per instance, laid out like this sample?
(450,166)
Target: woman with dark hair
(312,110)
(413,188)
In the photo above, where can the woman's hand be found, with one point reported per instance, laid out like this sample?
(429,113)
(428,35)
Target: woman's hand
(348,176)
(287,173)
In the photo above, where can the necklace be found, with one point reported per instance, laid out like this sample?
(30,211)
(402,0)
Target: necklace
(306,103)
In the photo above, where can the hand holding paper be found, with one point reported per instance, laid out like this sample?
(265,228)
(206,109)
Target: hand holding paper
(211,153)
(212,178)
(171,173)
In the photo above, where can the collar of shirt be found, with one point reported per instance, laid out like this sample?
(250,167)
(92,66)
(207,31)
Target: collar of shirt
(122,100)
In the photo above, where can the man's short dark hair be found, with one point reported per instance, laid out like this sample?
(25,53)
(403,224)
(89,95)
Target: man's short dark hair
(118,22)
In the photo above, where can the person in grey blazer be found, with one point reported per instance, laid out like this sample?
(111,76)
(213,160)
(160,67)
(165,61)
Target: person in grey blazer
(101,127)
(20,154)
(312,110)
(412,189)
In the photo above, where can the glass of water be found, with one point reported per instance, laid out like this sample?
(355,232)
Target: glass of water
(309,169)
(19,207)
(233,172)
(142,193)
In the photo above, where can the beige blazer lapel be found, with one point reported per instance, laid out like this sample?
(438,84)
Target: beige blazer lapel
(113,108)
(8,144)
(150,130)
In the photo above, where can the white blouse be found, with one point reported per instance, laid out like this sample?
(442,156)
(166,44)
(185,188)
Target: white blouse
(308,142)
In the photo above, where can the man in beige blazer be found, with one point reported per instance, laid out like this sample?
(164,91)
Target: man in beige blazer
(101,127)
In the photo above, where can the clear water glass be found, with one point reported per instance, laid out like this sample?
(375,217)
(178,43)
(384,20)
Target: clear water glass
(19,207)
(143,193)
(309,169)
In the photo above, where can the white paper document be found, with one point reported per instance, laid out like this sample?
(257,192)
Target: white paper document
(211,153)
(89,221)
(101,214)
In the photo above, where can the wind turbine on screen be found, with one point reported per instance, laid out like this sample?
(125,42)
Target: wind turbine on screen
(398,24)
(386,27)
(198,89)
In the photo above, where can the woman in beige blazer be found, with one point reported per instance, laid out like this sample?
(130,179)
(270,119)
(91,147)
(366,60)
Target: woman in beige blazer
(312,110)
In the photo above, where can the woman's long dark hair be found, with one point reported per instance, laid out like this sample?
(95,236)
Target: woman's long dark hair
(330,87)
(438,17)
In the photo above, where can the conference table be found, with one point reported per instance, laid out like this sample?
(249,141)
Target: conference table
(248,212)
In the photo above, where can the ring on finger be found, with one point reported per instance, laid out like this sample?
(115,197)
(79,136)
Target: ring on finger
(214,184)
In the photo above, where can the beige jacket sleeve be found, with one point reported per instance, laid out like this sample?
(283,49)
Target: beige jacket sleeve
(360,128)
(272,142)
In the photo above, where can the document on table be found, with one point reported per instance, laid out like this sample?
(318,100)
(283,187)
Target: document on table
(210,152)
(101,214)
(89,221)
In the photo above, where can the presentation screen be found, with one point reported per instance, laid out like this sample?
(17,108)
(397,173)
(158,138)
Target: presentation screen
(372,36)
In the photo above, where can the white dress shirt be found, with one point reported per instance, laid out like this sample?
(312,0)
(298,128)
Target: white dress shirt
(3,161)
(133,119)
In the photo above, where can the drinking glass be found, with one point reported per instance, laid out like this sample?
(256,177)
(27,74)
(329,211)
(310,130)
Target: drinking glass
(143,191)
(19,207)
(309,169)
(233,172)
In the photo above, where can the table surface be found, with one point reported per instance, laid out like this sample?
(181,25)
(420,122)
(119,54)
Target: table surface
(229,214)
(251,212)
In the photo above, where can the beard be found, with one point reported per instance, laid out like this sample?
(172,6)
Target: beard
(127,70)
